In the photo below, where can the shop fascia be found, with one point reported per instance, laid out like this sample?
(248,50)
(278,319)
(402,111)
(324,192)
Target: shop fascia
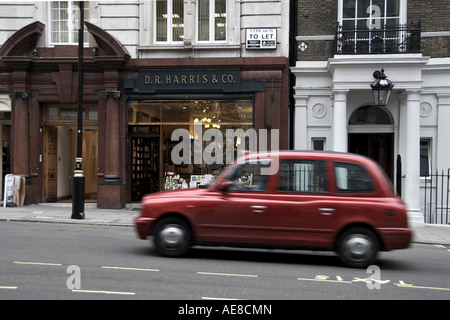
(212,153)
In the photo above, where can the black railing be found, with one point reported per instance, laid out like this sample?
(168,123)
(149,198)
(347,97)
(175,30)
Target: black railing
(390,39)
(436,198)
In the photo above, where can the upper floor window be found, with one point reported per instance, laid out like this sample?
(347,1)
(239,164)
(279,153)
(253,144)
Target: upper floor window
(169,21)
(212,20)
(371,14)
(65,22)
(375,26)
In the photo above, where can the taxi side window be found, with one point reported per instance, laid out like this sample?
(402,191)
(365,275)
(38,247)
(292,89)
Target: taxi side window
(352,178)
(308,176)
(249,177)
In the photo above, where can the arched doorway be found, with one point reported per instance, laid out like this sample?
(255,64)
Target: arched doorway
(371,133)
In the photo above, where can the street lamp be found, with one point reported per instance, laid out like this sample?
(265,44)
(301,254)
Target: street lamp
(381,88)
(78,178)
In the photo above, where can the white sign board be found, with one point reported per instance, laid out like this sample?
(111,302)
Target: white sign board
(261,38)
(12,184)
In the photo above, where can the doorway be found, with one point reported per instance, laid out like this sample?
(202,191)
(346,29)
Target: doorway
(144,150)
(377,146)
(59,162)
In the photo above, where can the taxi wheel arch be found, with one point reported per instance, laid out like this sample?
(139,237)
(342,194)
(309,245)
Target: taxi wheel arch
(358,246)
(172,236)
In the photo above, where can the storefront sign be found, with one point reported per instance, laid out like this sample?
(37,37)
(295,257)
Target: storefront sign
(221,80)
(262,38)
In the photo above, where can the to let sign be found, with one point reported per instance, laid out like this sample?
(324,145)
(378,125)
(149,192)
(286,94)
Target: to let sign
(261,38)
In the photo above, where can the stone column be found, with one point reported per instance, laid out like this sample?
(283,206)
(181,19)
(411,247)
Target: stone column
(412,158)
(20,134)
(340,135)
(110,191)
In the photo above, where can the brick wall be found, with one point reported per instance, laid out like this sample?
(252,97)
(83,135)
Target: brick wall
(316,18)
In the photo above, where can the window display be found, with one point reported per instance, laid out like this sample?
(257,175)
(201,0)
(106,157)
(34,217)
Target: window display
(196,119)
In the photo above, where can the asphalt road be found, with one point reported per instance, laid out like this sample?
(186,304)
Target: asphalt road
(71,262)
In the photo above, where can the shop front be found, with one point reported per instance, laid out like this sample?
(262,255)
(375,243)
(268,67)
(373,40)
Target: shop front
(185,125)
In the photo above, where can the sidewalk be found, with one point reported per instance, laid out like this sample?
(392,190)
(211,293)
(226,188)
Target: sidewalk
(61,213)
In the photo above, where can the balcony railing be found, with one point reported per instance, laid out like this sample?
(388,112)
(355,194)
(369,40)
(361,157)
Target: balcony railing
(389,40)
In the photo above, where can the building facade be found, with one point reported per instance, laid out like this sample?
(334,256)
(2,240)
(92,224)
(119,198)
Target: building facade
(152,69)
(340,44)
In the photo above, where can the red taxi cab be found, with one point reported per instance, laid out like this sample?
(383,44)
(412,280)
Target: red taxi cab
(291,200)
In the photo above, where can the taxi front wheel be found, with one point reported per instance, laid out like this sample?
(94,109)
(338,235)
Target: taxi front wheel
(358,247)
(172,237)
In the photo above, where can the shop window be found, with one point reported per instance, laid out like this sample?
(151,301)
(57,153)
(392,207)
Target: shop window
(229,120)
(65,22)
(212,20)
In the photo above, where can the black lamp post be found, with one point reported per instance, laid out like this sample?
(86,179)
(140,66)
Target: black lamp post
(78,178)
(381,88)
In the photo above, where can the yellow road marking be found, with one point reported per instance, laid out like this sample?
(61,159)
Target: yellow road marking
(104,292)
(324,280)
(4,287)
(229,274)
(402,284)
(211,298)
(38,263)
(132,269)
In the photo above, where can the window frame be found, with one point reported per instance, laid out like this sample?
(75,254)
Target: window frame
(428,160)
(169,26)
(353,191)
(322,165)
(72,25)
(212,23)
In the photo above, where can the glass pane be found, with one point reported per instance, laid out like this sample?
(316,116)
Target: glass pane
(161,20)
(178,20)
(69,114)
(52,114)
(352,178)
(203,20)
(349,8)
(93,114)
(363,8)
(248,177)
(424,158)
(220,20)
(303,176)
(393,8)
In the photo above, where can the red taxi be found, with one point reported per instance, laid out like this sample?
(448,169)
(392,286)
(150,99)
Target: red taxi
(291,200)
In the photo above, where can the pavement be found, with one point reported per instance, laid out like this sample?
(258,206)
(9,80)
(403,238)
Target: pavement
(62,212)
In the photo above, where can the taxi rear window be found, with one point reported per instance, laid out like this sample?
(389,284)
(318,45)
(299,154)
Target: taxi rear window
(352,178)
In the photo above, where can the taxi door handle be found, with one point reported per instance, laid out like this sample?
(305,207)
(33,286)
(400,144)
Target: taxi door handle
(259,208)
(327,211)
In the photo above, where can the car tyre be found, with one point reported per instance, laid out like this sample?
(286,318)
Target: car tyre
(358,247)
(172,237)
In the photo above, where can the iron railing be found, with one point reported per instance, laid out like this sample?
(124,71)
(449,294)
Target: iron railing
(388,40)
(436,198)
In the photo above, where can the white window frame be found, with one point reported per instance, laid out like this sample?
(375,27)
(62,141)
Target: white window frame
(212,23)
(72,25)
(402,14)
(169,23)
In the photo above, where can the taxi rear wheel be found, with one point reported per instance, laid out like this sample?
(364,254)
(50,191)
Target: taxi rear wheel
(358,247)
(172,237)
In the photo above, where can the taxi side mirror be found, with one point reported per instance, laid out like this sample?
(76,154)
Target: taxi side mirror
(224,185)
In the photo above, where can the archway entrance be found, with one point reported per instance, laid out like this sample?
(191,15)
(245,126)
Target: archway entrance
(371,134)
